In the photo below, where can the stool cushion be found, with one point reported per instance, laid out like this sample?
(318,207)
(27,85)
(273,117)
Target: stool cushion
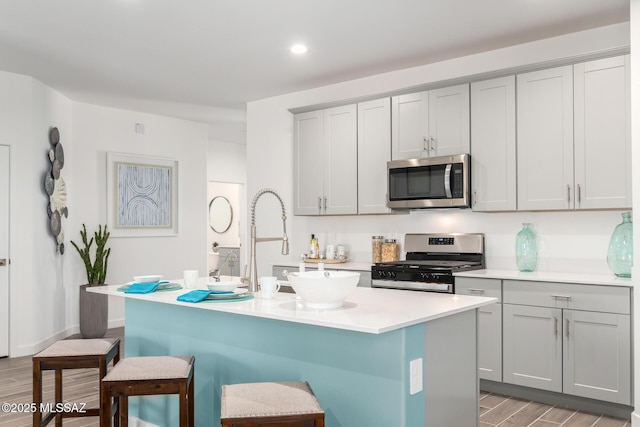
(268,399)
(80,347)
(150,368)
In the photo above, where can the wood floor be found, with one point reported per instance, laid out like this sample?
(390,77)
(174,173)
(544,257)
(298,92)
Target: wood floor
(81,386)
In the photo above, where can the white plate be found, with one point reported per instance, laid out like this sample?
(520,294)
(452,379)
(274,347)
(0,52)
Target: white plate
(237,293)
(147,279)
(222,286)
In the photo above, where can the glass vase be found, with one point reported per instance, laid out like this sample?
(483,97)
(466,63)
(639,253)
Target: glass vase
(526,248)
(620,253)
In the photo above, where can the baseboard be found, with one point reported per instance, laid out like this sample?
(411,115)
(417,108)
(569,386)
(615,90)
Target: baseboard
(635,419)
(561,400)
(30,349)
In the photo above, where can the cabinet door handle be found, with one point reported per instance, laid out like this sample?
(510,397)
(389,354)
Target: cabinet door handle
(568,193)
(319,204)
(325,205)
(433,143)
(555,326)
(579,193)
(564,297)
(566,331)
(476,290)
(425,145)
(475,197)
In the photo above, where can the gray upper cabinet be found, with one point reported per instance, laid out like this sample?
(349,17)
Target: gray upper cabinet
(545,139)
(493,144)
(374,151)
(602,133)
(325,162)
(573,131)
(430,123)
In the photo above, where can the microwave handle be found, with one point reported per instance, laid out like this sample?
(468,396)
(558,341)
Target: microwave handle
(447,181)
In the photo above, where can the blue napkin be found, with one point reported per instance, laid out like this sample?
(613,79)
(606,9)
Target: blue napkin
(194,296)
(143,288)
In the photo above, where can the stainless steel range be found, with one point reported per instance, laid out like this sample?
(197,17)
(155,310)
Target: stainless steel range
(431,261)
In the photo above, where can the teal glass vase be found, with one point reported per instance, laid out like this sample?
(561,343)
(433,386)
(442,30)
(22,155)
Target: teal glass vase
(526,248)
(620,253)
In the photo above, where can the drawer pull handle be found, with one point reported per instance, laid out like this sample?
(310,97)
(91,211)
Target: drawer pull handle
(476,290)
(564,297)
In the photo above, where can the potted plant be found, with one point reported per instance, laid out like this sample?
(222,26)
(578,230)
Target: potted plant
(94,308)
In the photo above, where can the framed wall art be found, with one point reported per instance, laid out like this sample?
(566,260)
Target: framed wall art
(142,195)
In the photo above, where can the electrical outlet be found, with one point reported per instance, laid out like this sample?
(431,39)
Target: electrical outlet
(415,376)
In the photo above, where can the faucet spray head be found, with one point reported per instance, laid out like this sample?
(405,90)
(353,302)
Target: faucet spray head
(285,245)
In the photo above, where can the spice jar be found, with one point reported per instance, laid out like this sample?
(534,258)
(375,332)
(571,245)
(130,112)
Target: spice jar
(376,249)
(390,250)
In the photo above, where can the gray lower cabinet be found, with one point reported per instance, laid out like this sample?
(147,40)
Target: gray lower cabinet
(489,325)
(569,338)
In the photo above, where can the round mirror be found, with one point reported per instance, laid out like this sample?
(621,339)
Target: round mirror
(220,214)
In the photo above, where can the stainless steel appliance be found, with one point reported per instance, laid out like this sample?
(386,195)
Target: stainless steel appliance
(430,262)
(432,182)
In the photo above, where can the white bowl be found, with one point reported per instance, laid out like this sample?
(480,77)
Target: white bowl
(222,286)
(323,289)
(147,279)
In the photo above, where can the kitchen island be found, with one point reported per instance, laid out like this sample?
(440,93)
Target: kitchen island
(387,358)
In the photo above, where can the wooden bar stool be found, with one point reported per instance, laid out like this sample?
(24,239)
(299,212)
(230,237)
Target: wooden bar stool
(71,354)
(149,375)
(284,404)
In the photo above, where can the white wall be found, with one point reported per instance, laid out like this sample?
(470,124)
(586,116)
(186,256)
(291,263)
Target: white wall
(98,130)
(44,284)
(41,300)
(568,240)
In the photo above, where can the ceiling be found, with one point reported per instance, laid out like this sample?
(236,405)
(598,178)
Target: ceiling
(204,60)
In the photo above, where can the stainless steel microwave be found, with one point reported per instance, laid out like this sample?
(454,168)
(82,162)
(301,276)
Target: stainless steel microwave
(431,182)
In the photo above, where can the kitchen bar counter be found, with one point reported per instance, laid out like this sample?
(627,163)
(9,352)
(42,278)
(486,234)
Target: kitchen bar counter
(542,276)
(386,359)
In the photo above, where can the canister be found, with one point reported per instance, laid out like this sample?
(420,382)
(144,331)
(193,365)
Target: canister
(376,249)
(390,250)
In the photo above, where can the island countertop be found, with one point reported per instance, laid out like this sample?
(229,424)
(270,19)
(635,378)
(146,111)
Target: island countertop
(367,310)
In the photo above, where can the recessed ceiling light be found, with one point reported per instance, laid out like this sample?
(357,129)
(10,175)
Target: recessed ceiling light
(298,49)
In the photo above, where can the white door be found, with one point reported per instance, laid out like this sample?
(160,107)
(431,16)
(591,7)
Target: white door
(545,139)
(374,151)
(410,126)
(449,120)
(4,251)
(493,148)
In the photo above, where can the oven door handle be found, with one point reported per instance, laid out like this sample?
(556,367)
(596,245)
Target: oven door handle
(419,286)
(447,181)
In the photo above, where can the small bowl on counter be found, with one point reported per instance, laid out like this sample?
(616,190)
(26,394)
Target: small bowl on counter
(323,289)
(154,278)
(222,287)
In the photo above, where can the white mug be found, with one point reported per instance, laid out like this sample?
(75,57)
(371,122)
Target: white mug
(341,251)
(190,278)
(331,252)
(269,286)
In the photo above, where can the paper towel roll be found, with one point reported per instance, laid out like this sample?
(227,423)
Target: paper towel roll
(214,260)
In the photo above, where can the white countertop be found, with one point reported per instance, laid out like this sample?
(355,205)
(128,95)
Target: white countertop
(366,310)
(354,266)
(542,276)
